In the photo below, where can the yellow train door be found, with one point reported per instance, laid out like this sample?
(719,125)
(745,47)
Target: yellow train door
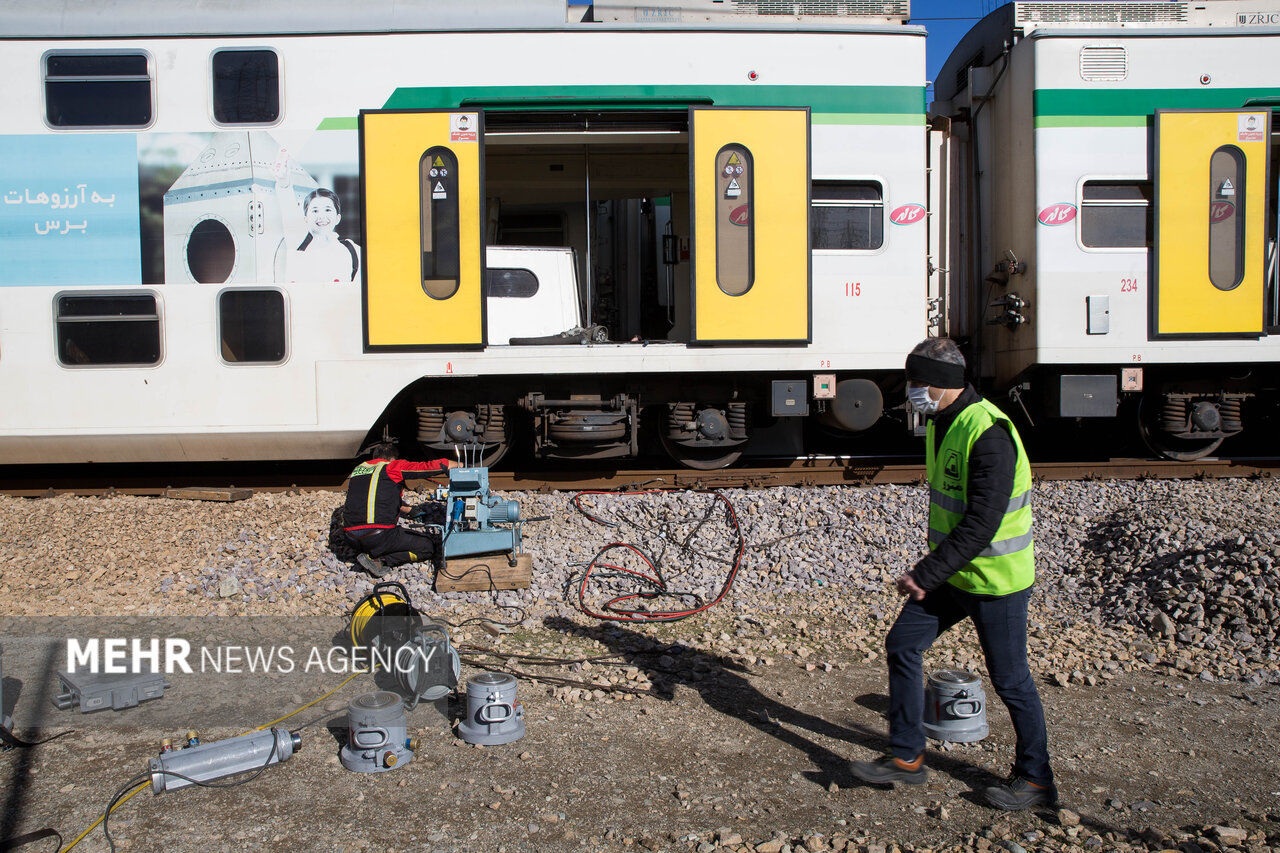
(1211,216)
(750,183)
(423,209)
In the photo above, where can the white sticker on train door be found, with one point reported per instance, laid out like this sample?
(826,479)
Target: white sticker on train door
(1250,127)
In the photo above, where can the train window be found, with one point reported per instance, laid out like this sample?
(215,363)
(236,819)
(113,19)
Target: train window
(511,283)
(107,329)
(251,326)
(1226,217)
(246,86)
(108,88)
(846,215)
(1116,214)
(438,207)
(735,230)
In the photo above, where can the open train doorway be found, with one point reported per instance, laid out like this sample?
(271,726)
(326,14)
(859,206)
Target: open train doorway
(611,188)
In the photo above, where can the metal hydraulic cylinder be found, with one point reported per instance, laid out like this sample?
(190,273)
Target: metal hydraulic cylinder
(216,759)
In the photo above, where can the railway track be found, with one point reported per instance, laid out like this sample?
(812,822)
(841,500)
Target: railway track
(234,482)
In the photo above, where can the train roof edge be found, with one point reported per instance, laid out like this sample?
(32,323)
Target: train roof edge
(152,18)
(1008,24)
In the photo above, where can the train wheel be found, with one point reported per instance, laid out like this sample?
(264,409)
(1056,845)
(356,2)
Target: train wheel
(700,458)
(1162,443)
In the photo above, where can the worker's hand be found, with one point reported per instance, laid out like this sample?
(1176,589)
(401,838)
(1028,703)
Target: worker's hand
(452,463)
(405,509)
(907,586)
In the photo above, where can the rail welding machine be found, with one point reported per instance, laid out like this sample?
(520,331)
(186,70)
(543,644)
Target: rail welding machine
(476,522)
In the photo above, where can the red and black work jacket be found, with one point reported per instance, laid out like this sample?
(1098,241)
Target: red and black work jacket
(374,490)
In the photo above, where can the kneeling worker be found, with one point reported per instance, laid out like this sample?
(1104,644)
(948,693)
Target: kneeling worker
(980,565)
(374,504)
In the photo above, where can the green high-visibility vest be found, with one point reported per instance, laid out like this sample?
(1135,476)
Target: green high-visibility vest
(1008,564)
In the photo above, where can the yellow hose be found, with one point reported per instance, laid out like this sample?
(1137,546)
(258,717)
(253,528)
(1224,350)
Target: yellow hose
(95,824)
(124,800)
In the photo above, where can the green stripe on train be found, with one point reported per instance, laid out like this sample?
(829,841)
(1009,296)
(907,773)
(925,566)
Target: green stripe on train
(1134,107)
(880,119)
(879,100)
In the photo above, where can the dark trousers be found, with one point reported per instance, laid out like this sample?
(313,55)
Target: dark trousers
(395,546)
(1001,622)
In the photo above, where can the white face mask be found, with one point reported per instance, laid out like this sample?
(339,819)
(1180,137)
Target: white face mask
(920,399)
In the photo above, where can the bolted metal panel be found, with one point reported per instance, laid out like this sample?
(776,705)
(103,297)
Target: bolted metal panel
(1087,396)
(842,8)
(1099,13)
(790,397)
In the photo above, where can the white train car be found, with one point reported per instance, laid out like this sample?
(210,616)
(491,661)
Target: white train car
(240,231)
(1113,205)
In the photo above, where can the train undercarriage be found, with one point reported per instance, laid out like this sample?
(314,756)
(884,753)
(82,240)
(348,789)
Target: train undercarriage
(702,422)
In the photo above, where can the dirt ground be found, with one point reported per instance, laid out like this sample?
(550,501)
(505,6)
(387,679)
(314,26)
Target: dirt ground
(719,746)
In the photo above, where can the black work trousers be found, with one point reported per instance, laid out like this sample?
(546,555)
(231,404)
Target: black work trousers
(395,546)
(1001,623)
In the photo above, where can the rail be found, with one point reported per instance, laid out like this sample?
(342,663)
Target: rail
(233,482)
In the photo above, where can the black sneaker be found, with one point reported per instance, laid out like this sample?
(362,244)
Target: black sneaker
(371,565)
(1020,794)
(886,770)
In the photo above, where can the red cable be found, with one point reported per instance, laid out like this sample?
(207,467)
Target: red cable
(617,613)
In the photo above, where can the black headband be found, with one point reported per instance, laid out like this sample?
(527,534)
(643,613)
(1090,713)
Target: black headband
(934,373)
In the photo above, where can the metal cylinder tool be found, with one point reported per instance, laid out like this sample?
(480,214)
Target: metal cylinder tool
(955,708)
(216,759)
(377,734)
(494,716)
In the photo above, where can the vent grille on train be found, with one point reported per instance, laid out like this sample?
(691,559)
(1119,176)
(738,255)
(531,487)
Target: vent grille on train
(1100,13)
(1103,62)
(843,8)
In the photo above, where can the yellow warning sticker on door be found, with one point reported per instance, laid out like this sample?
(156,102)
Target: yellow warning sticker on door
(734,160)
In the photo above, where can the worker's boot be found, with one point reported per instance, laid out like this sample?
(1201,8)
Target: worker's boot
(887,770)
(371,565)
(1019,794)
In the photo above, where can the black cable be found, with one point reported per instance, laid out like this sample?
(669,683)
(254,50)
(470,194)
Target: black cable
(106,815)
(13,842)
(493,588)
(10,739)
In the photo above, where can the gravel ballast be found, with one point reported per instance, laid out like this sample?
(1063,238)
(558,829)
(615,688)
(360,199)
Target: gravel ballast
(1152,627)
(1128,572)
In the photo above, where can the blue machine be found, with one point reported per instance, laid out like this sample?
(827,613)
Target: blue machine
(475,522)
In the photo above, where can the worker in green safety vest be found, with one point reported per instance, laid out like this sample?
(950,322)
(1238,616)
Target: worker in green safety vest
(980,566)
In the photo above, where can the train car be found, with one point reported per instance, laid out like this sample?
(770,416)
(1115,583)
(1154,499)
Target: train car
(1112,204)
(238,231)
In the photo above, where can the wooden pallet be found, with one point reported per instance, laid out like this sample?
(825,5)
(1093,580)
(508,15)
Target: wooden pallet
(478,574)
(209,493)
